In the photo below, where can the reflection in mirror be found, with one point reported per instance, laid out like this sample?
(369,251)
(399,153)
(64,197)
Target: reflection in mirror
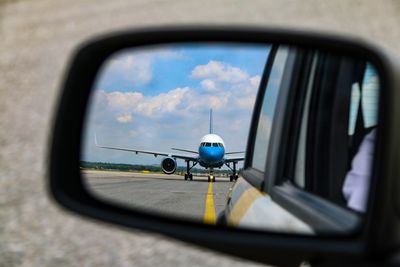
(164,121)
(167,128)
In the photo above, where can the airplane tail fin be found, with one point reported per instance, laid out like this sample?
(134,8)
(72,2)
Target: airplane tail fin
(211,122)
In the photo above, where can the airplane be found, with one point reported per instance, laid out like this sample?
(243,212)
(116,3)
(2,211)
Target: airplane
(211,154)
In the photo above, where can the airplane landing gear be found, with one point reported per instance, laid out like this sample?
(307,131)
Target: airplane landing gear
(211,177)
(233,176)
(188,175)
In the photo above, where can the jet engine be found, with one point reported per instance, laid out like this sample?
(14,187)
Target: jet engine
(168,165)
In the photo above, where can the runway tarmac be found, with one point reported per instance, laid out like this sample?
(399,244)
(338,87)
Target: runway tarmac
(168,195)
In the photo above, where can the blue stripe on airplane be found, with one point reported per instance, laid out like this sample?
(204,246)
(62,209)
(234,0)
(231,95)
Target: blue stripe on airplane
(211,155)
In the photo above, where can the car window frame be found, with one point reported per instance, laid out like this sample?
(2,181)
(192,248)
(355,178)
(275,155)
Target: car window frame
(252,175)
(255,177)
(324,216)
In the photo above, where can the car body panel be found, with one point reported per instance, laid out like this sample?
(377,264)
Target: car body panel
(251,208)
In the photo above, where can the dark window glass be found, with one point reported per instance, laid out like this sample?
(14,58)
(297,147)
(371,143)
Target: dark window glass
(362,111)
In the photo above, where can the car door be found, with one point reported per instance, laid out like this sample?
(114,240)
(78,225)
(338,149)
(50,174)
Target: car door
(315,108)
(250,203)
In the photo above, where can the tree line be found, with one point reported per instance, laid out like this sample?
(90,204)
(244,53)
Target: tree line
(139,167)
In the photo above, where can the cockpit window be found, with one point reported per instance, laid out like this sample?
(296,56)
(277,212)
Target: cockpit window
(212,144)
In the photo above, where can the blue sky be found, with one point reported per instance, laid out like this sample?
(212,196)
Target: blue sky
(159,97)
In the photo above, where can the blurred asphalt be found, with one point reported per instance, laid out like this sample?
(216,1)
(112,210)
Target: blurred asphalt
(168,195)
(36,39)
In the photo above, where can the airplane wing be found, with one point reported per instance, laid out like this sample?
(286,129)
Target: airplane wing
(155,153)
(234,159)
(185,150)
(237,152)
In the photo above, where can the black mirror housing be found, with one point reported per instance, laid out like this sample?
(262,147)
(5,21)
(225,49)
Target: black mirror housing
(380,232)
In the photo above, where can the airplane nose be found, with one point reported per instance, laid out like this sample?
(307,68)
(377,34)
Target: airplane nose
(212,154)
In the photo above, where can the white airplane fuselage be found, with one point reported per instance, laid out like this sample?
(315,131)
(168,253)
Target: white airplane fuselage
(211,151)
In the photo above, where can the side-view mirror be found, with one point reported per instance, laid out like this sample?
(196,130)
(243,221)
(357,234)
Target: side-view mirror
(275,146)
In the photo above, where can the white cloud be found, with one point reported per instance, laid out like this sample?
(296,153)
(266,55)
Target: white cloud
(124,101)
(133,133)
(234,96)
(235,87)
(123,104)
(134,66)
(255,81)
(135,69)
(246,102)
(218,102)
(124,118)
(208,84)
(163,112)
(162,103)
(219,71)
(198,101)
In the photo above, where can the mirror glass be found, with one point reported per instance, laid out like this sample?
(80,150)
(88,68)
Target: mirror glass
(167,129)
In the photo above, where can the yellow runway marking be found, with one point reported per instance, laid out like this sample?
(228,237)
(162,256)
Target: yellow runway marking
(209,211)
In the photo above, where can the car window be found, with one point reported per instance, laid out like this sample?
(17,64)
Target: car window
(368,100)
(363,94)
(268,109)
(370,96)
(354,106)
